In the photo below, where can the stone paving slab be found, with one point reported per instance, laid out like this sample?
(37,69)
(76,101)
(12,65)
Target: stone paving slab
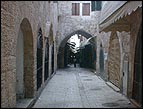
(24,103)
(113,86)
(80,88)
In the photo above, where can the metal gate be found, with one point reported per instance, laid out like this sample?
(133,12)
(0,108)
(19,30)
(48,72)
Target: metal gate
(86,56)
(46,61)
(53,58)
(39,59)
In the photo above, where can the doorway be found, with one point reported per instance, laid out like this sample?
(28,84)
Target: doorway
(137,81)
(24,62)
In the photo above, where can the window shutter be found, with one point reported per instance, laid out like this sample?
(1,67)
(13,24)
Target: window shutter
(86,9)
(75,8)
(92,5)
(98,5)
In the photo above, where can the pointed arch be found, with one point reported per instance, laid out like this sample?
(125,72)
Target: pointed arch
(60,55)
(82,32)
(114,60)
(25,61)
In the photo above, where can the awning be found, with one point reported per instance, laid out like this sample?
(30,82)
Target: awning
(90,40)
(125,10)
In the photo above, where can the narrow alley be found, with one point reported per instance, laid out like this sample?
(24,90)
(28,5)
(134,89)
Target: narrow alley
(71,54)
(79,88)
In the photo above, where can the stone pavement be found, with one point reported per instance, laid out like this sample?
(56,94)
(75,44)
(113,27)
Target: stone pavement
(79,88)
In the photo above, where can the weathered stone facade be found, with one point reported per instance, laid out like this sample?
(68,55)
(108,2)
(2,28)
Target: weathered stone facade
(69,23)
(114,60)
(21,21)
(27,17)
(126,29)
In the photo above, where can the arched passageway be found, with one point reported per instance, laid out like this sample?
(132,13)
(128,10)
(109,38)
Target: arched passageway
(39,58)
(137,81)
(114,60)
(62,53)
(24,62)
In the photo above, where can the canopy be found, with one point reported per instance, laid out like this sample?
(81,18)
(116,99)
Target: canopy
(124,10)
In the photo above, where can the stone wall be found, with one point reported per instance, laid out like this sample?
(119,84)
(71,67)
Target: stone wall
(114,55)
(126,46)
(69,23)
(38,14)
(103,38)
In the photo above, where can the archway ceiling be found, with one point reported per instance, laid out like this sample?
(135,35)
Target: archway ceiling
(81,32)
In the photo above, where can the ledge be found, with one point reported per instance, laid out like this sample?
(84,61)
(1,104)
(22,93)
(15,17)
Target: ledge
(113,86)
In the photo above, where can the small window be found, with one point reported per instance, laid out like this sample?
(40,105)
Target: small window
(86,9)
(75,8)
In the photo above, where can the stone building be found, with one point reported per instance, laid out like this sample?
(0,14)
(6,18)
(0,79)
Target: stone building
(34,35)
(119,37)
(75,21)
(27,29)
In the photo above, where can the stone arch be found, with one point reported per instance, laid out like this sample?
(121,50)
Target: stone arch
(82,32)
(137,77)
(114,57)
(25,61)
(60,56)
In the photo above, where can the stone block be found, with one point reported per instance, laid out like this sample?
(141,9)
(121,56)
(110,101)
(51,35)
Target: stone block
(12,102)
(7,19)
(9,6)
(8,63)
